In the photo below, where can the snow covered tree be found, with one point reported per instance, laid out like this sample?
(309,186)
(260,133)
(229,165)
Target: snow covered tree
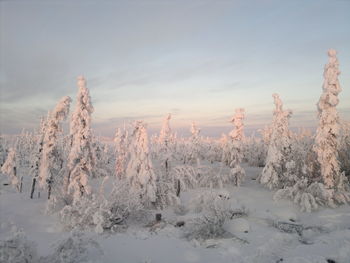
(278,154)
(164,141)
(322,183)
(2,150)
(237,173)
(37,155)
(344,152)
(193,147)
(24,146)
(51,162)
(140,171)
(165,132)
(326,144)
(327,134)
(9,168)
(121,140)
(102,165)
(81,159)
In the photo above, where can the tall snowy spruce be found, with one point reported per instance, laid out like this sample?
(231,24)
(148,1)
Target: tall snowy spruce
(139,172)
(279,149)
(327,134)
(51,161)
(81,159)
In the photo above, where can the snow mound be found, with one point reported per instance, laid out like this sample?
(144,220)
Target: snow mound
(239,225)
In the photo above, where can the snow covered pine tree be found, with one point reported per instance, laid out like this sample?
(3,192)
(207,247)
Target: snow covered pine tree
(52,162)
(81,158)
(279,149)
(140,170)
(327,135)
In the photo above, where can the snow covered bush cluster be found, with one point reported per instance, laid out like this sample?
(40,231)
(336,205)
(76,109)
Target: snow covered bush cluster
(213,209)
(72,249)
(17,248)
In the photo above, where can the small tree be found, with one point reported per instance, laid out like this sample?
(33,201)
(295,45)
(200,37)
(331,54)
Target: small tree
(164,141)
(140,172)
(194,145)
(52,162)
(237,173)
(121,140)
(279,149)
(37,155)
(81,158)
(9,168)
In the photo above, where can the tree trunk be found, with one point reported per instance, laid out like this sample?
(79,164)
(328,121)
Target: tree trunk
(48,191)
(178,188)
(21,185)
(33,188)
(166,167)
(49,187)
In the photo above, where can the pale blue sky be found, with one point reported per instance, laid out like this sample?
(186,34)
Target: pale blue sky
(196,59)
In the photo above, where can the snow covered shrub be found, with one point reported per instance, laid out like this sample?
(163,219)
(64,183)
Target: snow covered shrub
(103,214)
(254,151)
(74,249)
(79,215)
(9,168)
(184,177)
(18,248)
(279,148)
(309,196)
(304,195)
(213,209)
(209,199)
(113,212)
(81,160)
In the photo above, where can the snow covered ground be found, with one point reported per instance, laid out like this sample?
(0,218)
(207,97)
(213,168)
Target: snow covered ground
(270,232)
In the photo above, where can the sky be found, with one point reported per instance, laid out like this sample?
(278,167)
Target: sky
(198,60)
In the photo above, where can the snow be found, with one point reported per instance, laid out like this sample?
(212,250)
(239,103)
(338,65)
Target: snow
(239,225)
(326,234)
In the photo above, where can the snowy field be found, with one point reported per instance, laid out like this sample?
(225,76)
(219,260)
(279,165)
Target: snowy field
(254,237)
